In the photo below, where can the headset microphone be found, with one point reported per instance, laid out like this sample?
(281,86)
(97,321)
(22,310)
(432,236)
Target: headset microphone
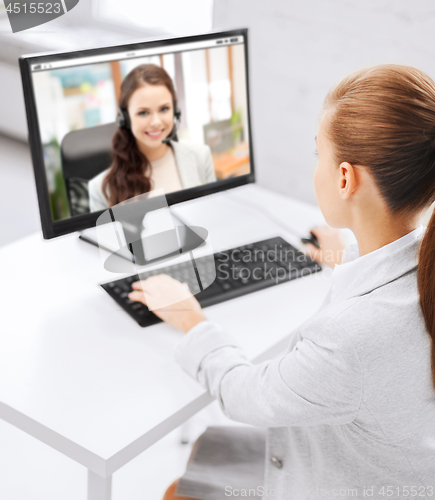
(173,135)
(122,119)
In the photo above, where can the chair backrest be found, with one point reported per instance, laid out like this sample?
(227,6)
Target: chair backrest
(85,153)
(219,136)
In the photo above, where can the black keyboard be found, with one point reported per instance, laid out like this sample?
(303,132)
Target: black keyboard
(237,272)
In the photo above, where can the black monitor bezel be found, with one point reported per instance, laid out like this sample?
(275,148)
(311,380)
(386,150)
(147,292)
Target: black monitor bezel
(51,228)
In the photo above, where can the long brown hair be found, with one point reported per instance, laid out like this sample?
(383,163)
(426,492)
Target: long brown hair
(130,172)
(383,118)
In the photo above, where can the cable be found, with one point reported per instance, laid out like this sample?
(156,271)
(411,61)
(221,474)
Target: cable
(264,212)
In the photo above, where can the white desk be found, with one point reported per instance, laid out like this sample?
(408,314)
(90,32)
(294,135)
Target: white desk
(79,374)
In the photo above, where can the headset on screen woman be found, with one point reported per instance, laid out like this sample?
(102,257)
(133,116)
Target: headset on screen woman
(123,121)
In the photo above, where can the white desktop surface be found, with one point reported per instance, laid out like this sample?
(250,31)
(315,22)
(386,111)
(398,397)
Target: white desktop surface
(79,374)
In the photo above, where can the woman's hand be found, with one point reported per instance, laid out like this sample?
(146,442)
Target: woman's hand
(170,300)
(332,244)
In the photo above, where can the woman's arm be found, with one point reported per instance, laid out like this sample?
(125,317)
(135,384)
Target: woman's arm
(318,382)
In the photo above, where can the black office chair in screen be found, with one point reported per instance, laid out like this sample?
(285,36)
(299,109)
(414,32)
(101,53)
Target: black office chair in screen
(85,153)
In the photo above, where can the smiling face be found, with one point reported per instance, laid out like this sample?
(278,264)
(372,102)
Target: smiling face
(151,113)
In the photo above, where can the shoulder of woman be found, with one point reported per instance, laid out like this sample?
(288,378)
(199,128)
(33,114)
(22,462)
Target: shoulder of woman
(97,181)
(189,147)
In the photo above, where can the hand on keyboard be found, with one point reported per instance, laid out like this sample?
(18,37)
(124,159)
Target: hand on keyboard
(236,272)
(332,244)
(170,300)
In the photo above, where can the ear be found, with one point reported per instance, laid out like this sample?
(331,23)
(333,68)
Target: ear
(348,181)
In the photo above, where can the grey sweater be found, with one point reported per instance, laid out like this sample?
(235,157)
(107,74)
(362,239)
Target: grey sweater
(350,407)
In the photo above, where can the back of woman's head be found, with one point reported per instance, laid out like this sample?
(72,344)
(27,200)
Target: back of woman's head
(383,118)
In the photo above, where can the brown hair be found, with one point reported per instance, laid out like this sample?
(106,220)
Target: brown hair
(383,118)
(130,172)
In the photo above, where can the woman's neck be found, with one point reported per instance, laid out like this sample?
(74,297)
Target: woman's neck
(383,231)
(154,154)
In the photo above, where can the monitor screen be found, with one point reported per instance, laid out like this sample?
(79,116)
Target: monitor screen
(106,125)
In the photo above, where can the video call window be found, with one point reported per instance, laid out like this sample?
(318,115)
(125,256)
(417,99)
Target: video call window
(115,128)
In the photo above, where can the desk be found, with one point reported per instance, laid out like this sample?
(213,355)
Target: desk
(78,374)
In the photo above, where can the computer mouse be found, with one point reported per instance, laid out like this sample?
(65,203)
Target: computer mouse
(312,239)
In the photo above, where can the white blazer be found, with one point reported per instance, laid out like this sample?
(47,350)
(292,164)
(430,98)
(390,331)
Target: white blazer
(350,406)
(194,164)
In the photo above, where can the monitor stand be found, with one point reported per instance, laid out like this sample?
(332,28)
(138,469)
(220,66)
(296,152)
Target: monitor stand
(151,249)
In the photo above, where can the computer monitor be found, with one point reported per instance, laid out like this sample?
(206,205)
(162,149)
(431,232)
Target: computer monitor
(110,123)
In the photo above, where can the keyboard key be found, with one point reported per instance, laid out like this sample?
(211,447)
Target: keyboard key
(138,306)
(142,312)
(238,271)
(126,287)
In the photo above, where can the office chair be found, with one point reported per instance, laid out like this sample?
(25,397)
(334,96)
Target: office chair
(218,135)
(85,153)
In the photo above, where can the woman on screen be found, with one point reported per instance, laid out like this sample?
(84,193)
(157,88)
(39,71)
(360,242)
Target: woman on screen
(146,153)
(349,408)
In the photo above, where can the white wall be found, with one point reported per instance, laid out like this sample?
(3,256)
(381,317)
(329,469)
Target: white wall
(12,113)
(298,50)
